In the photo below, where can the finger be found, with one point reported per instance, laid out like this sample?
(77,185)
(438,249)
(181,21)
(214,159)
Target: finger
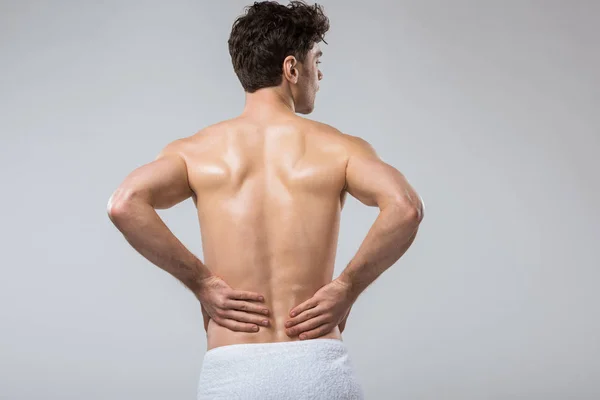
(317,332)
(307,325)
(248,307)
(242,316)
(307,305)
(244,295)
(306,315)
(237,326)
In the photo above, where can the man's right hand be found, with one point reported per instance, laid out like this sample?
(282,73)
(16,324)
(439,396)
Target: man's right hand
(327,308)
(234,309)
(342,324)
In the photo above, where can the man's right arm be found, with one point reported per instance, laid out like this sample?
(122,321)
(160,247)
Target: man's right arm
(375,183)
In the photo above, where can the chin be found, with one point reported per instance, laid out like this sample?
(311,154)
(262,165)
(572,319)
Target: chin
(305,110)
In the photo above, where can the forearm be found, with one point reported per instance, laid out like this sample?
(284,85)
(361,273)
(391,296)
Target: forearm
(147,233)
(392,233)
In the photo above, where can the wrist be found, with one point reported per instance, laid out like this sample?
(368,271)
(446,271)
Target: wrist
(202,281)
(347,283)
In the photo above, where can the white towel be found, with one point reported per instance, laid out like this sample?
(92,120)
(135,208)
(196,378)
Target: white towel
(306,369)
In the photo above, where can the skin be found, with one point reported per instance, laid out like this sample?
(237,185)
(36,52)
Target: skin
(269,187)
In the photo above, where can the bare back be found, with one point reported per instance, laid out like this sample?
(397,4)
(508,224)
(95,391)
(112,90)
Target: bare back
(269,198)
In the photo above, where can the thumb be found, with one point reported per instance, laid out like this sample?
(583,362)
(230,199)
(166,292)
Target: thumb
(342,324)
(205,317)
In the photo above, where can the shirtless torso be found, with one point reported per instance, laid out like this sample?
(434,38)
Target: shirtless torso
(269,197)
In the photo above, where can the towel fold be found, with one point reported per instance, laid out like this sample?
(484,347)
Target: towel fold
(308,369)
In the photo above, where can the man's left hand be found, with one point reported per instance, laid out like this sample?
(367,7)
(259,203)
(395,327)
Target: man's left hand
(237,310)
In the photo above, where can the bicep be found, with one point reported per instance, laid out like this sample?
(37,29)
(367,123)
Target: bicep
(161,183)
(375,183)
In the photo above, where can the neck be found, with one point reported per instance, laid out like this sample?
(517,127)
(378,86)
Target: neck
(268,101)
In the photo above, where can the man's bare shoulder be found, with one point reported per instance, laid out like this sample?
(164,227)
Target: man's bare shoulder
(351,144)
(320,127)
(212,130)
(204,138)
(210,136)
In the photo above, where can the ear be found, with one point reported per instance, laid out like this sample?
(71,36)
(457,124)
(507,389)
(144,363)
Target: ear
(290,69)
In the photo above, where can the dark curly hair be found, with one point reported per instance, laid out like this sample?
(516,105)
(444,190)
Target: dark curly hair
(267,33)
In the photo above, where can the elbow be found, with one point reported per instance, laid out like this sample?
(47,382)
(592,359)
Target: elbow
(419,209)
(115,211)
(414,214)
(118,204)
(411,209)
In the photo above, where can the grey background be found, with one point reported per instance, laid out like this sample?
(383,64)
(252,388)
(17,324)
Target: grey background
(490,108)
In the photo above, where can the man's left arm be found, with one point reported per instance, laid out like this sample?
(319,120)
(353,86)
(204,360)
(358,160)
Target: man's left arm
(162,184)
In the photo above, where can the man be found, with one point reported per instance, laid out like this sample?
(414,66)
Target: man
(269,187)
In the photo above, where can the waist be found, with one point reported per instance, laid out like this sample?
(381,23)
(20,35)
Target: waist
(219,336)
(261,349)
